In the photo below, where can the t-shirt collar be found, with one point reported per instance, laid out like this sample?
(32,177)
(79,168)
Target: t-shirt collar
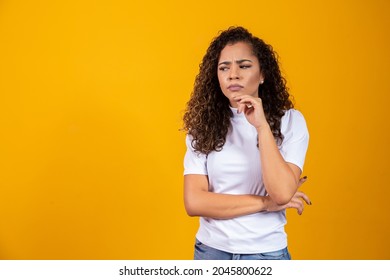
(235,114)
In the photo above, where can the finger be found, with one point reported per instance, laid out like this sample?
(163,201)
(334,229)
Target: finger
(306,199)
(250,100)
(245,99)
(245,105)
(300,208)
(303,196)
(302,180)
(248,107)
(297,204)
(240,107)
(240,97)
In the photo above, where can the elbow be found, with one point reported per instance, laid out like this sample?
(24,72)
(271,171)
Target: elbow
(191,212)
(282,198)
(191,209)
(283,194)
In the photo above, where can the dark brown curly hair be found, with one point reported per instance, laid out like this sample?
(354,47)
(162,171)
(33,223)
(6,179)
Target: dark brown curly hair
(207,115)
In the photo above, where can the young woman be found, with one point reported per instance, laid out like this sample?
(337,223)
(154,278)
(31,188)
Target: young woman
(246,147)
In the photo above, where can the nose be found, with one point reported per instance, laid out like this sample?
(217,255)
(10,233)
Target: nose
(234,73)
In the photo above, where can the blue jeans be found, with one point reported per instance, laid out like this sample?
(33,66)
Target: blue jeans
(204,252)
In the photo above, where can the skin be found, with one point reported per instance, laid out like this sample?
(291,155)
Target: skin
(239,75)
(239,72)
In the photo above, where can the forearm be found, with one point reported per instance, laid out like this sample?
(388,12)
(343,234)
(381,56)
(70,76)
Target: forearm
(279,179)
(222,206)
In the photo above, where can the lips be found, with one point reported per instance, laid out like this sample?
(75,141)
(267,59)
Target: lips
(235,87)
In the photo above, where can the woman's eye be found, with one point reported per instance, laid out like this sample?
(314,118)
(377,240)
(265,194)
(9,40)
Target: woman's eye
(223,68)
(245,66)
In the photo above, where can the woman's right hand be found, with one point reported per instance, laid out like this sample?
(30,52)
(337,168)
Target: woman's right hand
(296,202)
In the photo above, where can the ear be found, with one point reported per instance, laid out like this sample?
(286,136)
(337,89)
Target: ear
(261,81)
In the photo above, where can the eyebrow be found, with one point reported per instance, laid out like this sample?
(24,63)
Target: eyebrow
(237,61)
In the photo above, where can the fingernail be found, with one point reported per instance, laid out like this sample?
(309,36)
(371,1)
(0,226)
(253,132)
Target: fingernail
(304,177)
(310,203)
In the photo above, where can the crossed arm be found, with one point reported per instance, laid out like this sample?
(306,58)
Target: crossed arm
(199,201)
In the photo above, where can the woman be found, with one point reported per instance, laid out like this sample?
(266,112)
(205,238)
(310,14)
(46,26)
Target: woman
(246,147)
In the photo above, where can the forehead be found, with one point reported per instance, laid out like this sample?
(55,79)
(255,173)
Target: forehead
(237,50)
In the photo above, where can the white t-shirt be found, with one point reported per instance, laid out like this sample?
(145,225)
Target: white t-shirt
(236,169)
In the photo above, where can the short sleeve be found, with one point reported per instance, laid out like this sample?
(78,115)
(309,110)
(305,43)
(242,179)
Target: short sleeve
(296,138)
(194,163)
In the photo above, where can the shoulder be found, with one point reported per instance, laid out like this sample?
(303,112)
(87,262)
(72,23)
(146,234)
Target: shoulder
(189,141)
(293,117)
(293,122)
(295,137)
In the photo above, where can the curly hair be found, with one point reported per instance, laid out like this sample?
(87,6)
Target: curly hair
(207,115)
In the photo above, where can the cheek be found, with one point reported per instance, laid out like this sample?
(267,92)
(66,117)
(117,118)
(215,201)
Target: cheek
(258,77)
(221,80)
(255,80)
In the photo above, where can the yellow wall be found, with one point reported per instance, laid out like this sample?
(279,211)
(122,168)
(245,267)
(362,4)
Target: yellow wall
(91,99)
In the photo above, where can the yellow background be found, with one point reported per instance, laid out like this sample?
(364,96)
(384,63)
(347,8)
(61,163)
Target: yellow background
(91,99)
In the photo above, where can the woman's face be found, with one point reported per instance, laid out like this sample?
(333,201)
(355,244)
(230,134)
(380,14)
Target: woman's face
(239,71)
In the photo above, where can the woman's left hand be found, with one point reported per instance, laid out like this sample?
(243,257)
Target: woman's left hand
(253,110)
(295,202)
